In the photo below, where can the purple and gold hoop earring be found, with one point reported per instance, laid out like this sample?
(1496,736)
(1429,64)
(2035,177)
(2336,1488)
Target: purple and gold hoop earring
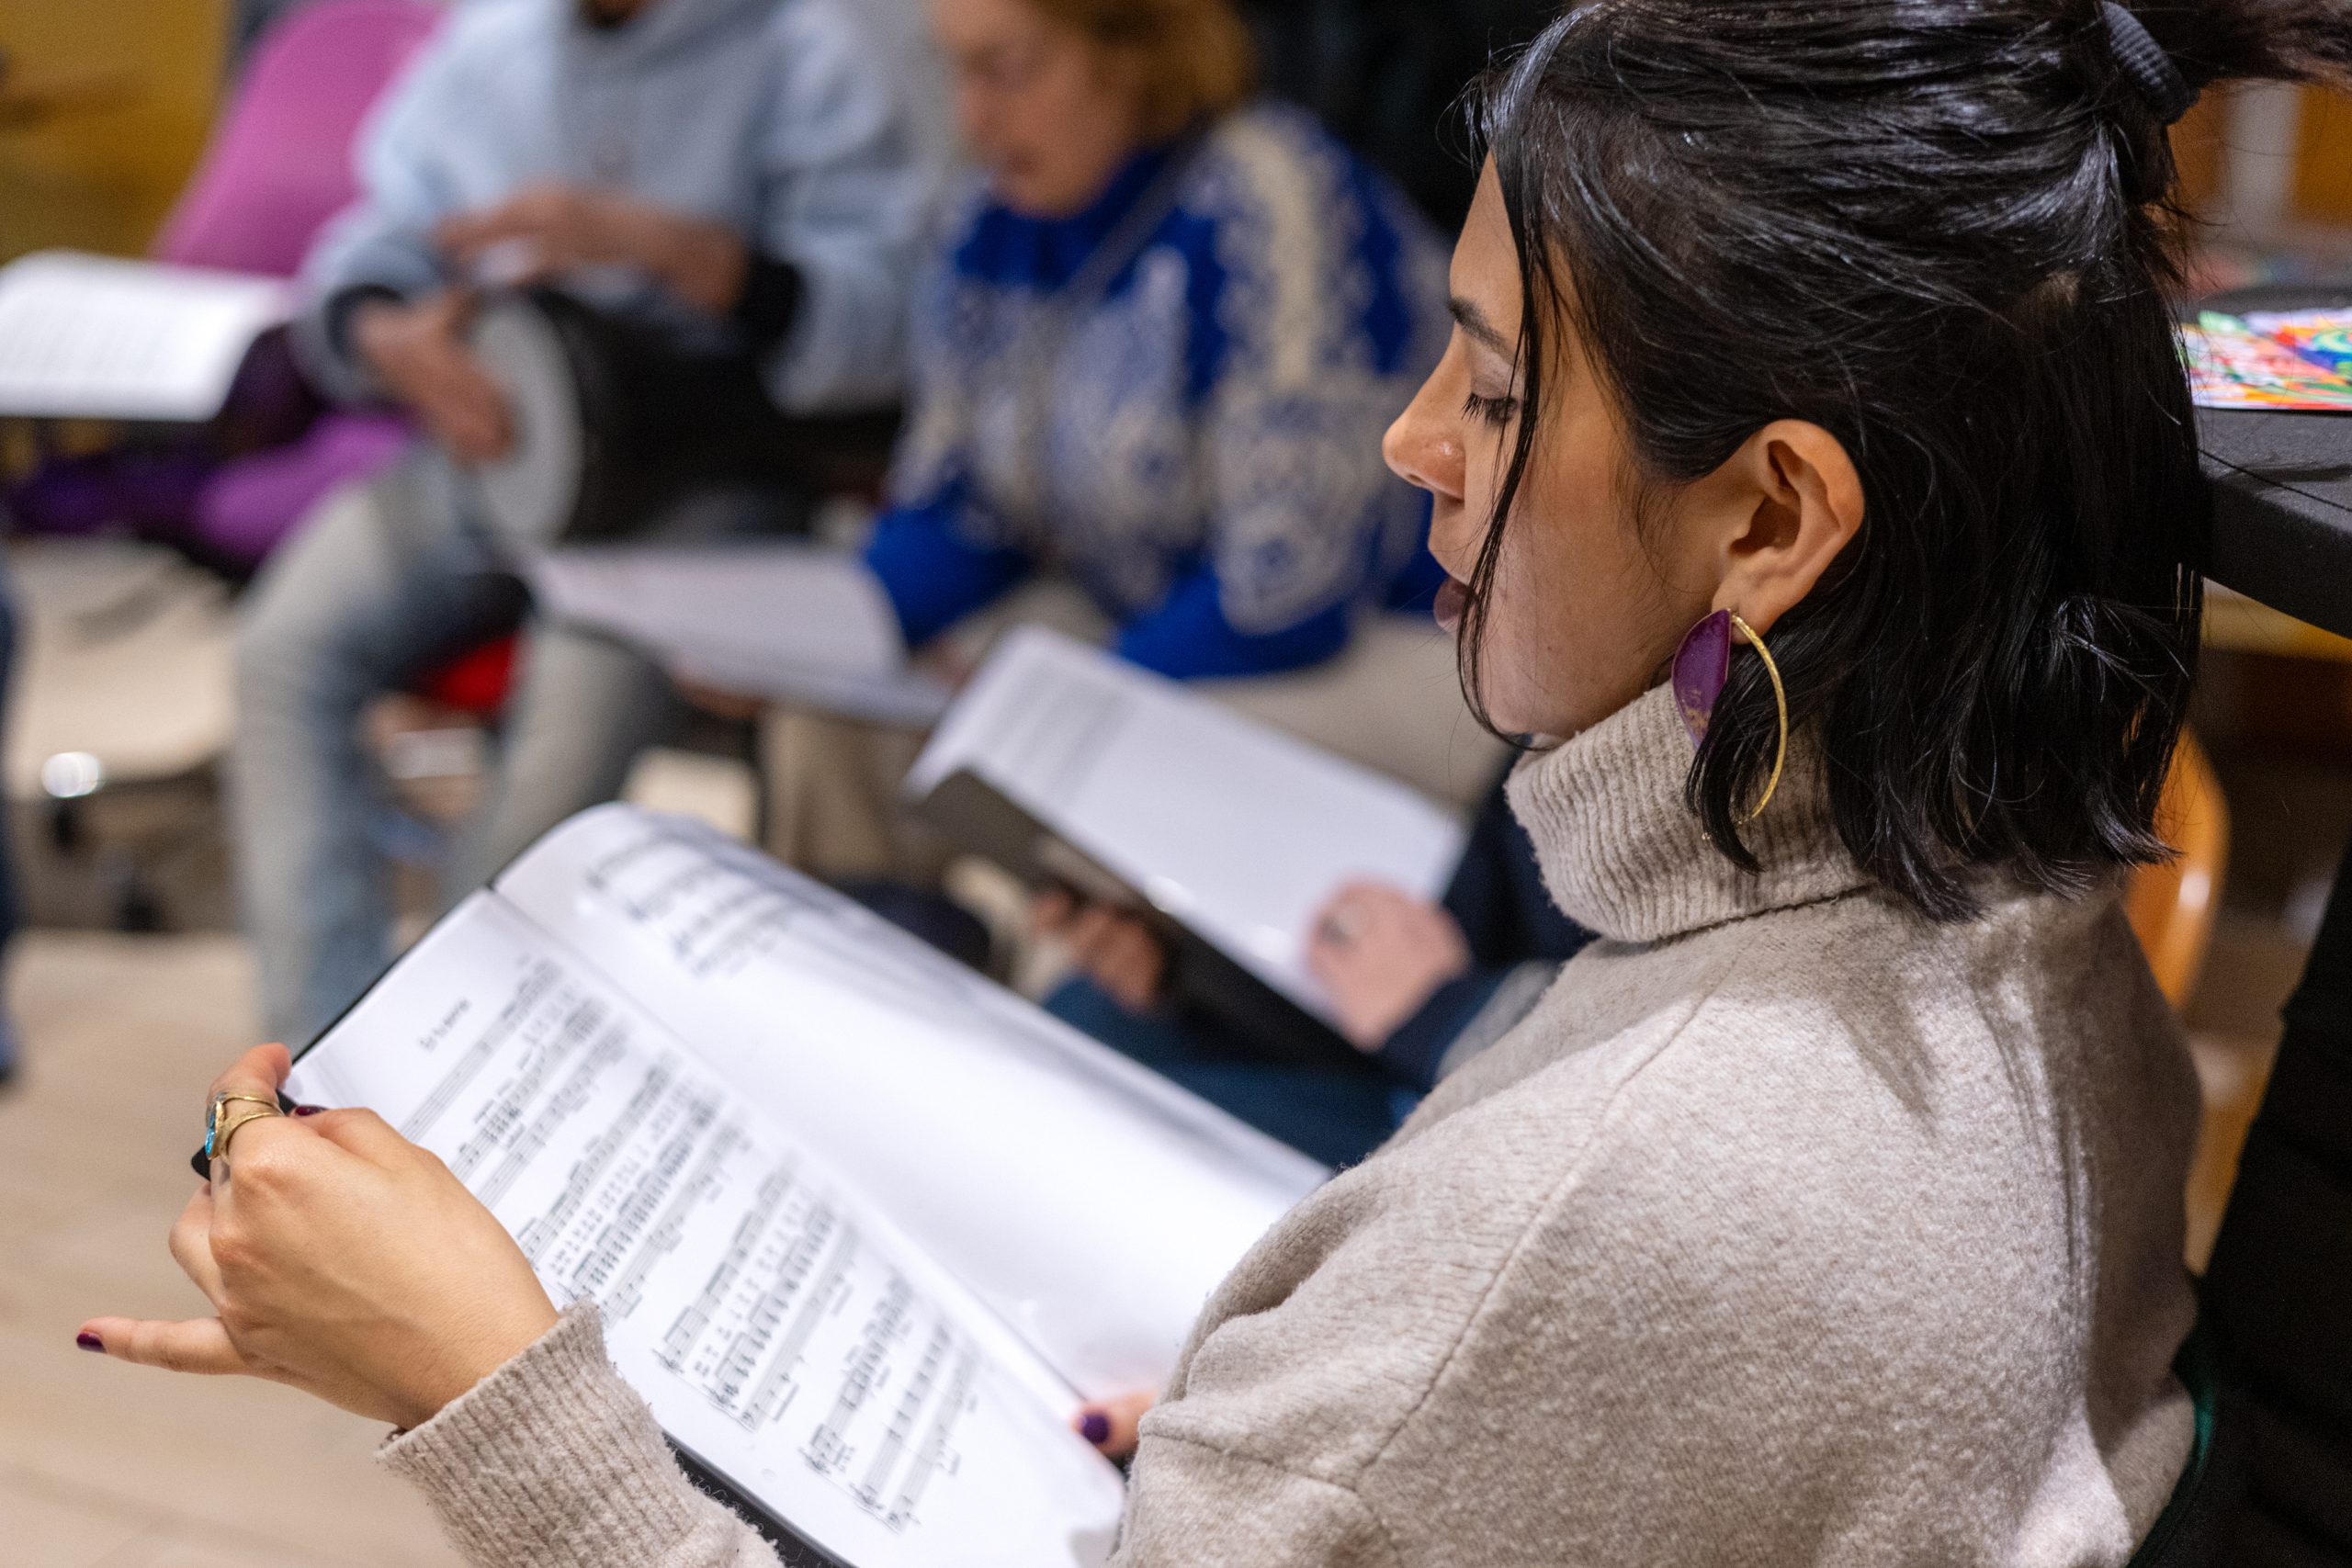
(1702,665)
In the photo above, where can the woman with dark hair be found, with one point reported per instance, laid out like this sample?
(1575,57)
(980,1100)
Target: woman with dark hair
(1813,393)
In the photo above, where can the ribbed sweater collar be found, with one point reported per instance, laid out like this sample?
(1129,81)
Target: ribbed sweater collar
(1622,856)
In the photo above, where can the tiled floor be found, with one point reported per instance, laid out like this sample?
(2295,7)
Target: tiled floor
(108,1466)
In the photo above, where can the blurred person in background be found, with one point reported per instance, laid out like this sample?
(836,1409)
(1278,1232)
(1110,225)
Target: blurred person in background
(1160,349)
(726,172)
(1417,988)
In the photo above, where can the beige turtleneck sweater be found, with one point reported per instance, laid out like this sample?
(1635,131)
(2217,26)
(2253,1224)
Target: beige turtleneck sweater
(1788,1229)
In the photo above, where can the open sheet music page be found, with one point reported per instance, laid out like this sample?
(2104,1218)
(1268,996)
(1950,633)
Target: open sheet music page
(1237,832)
(780,1327)
(100,337)
(1092,1205)
(780,618)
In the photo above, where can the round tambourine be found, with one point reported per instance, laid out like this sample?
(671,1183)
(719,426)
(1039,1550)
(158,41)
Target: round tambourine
(614,426)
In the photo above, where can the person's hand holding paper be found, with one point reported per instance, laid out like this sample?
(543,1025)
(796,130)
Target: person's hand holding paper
(1114,948)
(1382,954)
(342,1259)
(1379,952)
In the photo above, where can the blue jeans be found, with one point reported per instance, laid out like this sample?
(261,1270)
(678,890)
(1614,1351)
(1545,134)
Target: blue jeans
(383,585)
(1336,1111)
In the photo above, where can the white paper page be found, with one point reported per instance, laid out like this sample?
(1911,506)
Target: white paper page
(1237,830)
(99,337)
(780,619)
(780,1327)
(1089,1202)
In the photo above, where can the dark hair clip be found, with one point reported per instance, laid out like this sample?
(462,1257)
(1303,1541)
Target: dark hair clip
(2144,59)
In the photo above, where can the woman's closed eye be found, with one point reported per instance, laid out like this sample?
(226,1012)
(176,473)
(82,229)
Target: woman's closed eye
(1497,411)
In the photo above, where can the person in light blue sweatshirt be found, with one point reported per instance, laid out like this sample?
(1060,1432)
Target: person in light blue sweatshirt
(736,176)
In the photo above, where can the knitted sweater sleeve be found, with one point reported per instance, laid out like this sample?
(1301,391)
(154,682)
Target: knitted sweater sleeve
(1209,1507)
(553,1461)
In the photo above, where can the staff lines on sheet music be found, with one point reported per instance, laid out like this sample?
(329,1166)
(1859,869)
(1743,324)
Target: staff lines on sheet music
(496,1128)
(596,1159)
(911,1404)
(606,1188)
(720,935)
(630,1218)
(765,910)
(739,934)
(829,1448)
(688,1327)
(671,1228)
(815,1302)
(933,1457)
(126,347)
(541,976)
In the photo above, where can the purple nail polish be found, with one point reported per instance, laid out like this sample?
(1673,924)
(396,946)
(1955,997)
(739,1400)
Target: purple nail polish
(307,1109)
(89,1341)
(1095,1427)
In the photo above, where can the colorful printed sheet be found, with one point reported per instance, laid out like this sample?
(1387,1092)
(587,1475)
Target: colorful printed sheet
(2323,337)
(2231,366)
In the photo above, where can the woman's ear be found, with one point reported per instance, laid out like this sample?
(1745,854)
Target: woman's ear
(1788,502)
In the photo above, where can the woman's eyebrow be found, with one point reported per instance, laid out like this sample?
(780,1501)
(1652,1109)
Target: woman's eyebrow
(1471,320)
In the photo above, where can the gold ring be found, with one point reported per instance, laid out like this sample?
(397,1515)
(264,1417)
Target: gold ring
(221,1150)
(216,1134)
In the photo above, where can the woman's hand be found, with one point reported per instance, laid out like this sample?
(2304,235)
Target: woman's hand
(1116,951)
(342,1259)
(1382,953)
(556,228)
(1110,1424)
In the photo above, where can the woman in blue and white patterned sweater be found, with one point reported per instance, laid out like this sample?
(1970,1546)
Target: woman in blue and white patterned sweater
(1159,354)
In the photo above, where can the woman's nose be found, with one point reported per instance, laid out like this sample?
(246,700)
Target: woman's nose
(1423,447)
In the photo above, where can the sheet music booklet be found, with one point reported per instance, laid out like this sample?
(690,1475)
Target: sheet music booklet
(101,337)
(1065,763)
(778,618)
(865,1227)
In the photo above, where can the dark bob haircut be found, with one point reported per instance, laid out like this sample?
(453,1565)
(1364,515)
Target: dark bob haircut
(1942,230)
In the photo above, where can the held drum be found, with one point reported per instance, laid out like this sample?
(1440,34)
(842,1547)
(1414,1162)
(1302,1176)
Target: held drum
(614,427)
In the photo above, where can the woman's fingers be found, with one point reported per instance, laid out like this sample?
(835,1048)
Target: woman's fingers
(1335,941)
(1115,950)
(1110,1424)
(1050,911)
(197,1345)
(1086,932)
(1130,965)
(256,1075)
(258,1071)
(361,1132)
(1328,959)
(191,1244)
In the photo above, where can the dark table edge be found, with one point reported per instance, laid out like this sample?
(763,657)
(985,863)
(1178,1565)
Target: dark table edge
(2281,545)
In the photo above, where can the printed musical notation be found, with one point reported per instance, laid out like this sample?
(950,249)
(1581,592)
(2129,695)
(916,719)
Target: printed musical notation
(624,1177)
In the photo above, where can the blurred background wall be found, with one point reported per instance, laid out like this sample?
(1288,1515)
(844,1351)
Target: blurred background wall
(103,106)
